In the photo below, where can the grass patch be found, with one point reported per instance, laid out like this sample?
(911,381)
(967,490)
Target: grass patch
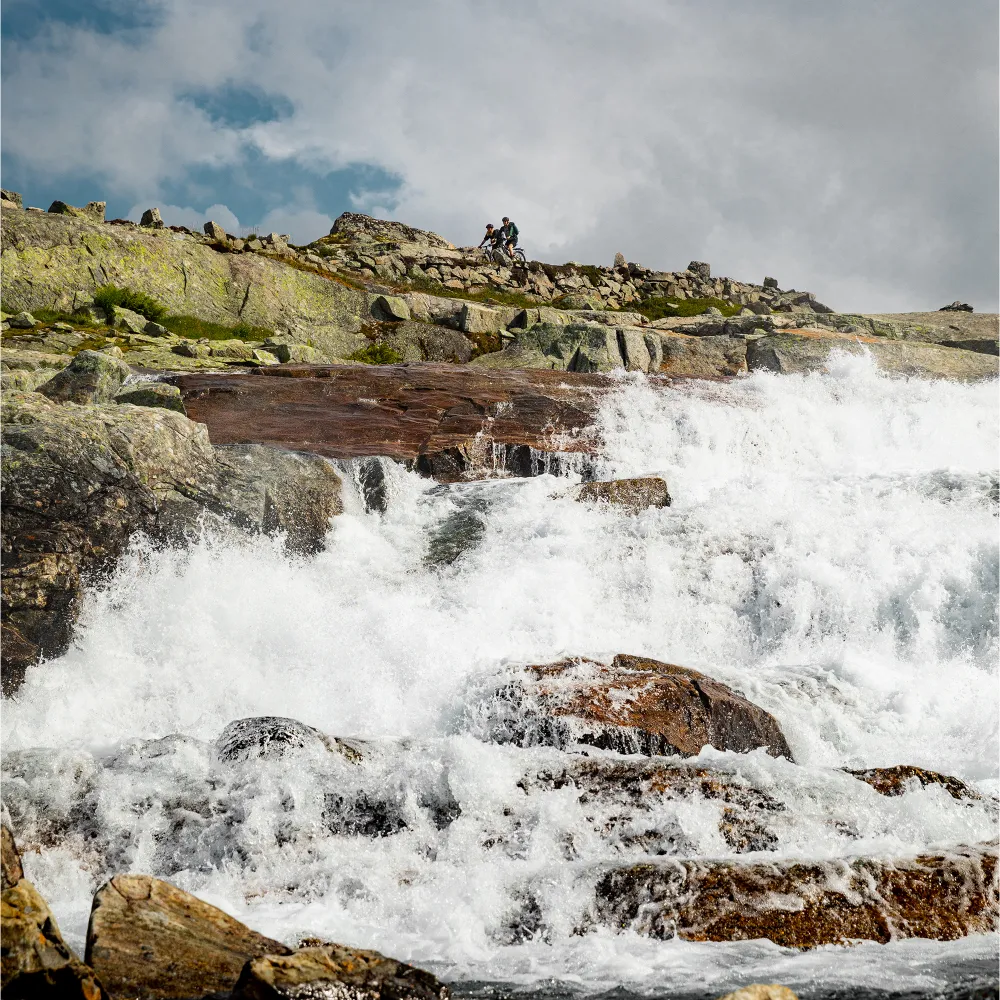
(202,329)
(108,296)
(488,296)
(376,354)
(49,316)
(667,306)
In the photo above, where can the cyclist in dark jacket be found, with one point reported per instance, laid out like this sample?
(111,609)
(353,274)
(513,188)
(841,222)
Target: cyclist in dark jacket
(508,234)
(492,235)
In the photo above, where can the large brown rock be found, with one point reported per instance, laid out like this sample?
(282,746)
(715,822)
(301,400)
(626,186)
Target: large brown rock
(333,972)
(12,871)
(148,939)
(633,705)
(449,422)
(35,961)
(804,904)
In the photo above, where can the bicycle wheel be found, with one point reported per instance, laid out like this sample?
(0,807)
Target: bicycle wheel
(519,254)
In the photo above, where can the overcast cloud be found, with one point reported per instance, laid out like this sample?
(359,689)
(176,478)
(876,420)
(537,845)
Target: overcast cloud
(847,147)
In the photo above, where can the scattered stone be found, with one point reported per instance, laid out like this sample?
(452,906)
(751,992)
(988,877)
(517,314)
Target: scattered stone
(91,377)
(634,495)
(11,869)
(265,357)
(12,197)
(893,781)
(276,242)
(215,232)
(151,219)
(23,321)
(36,961)
(126,319)
(806,904)
(701,269)
(957,306)
(771,283)
(93,210)
(113,351)
(148,938)
(255,245)
(285,353)
(231,350)
(480,319)
(761,991)
(153,394)
(237,245)
(156,330)
(712,311)
(633,705)
(333,972)
(390,308)
(192,349)
(620,262)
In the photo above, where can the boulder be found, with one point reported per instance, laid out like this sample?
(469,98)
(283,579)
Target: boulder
(700,269)
(431,342)
(93,210)
(10,859)
(480,319)
(806,904)
(957,306)
(893,781)
(152,329)
(192,349)
(152,394)
(286,353)
(633,495)
(126,319)
(803,351)
(638,349)
(390,308)
(269,737)
(21,380)
(148,938)
(91,377)
(151,219)
(703,357)
(353,227)
(215,232)
(23,321)
(36,961)
(231,350)
(575,347)
(11,196)
(771,283)
(333,972)
(620,262)
(633,705)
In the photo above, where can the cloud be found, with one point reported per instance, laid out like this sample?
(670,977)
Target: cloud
(846,148)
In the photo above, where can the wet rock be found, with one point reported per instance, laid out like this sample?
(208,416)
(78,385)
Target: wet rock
(806,904)
(151,219)
(957,306)
(703,356)
(761,991)
(148,938)
(893,781)
(36,961)
(152,394)
(332,971)
(91,377)
(270,737)
(450,423)
(10,859)
(633,705)
(633,495)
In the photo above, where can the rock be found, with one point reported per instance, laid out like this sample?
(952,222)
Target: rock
(295,353)
(333,972)
(771,283)
(146,937)
(254,245)
(761,991)
(448,422)
(91,377)
(700,357)
(633,495)
(357,228)
(957,306)
(804,351)
(633,705)
(268,357)
(153,394)
(126,319)
(231,350)
(151,219)
(16,360)
(21,380)
(480,319)
(94,210)
(620,262)
(215,232)
(156,330)
(390,308)
(893,781)
(275,242)
(12,196)
(634,349)
(430,342)
(36,961)
(575,347)
(700,269)
(23,321)
(806,904)
(10,858)
(268,737)
(711,311)
(582,300)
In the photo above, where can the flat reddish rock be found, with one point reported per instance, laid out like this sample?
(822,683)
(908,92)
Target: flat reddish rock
(448,421)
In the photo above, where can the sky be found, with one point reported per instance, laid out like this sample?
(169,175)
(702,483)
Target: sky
(847,147)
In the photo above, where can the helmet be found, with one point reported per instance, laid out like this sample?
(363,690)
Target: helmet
(505,219)
(489,225)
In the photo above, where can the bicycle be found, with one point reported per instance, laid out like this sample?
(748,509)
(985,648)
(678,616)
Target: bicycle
(498,255)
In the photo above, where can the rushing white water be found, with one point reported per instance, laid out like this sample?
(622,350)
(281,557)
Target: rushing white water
(831,552)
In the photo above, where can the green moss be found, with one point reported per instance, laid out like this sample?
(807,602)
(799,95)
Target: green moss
(593,274)
(485,343)
(488,296)
(203,329)
(376,354)
(108,296)
(664,306)
(49,316)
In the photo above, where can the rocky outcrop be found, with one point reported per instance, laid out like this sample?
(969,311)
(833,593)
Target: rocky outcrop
(632,705)
(893,781)
(806,904)
(80,481)
(333,972)
(148,938)
(36,961)
(357,228)
(450,423)
(633,495)
(91,377)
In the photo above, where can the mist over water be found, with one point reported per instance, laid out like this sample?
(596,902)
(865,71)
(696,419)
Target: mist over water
(831,552)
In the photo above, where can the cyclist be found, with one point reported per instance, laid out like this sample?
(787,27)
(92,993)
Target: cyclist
(492,235)
(508,235)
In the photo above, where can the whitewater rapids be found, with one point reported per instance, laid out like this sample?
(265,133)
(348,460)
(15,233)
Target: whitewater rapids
(831,552)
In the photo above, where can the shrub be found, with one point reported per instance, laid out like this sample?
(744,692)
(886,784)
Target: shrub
(108,296)
(376,354)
